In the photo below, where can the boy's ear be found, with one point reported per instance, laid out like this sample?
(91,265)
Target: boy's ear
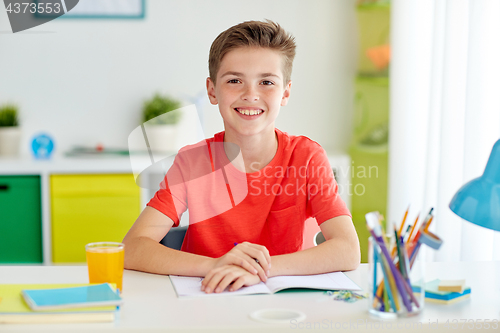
(286,93)
(211,91)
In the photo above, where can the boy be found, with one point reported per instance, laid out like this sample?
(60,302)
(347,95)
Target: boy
(287,179)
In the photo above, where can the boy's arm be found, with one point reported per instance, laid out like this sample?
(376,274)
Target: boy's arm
(143,251)
(340,252)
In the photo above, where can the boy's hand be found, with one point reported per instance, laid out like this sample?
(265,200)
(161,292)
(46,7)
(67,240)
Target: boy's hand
(252,257)
(228,275)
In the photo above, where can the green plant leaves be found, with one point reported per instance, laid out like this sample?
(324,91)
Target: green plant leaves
(159,105)
(8,115)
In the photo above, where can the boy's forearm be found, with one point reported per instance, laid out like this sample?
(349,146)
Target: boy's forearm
(146,255)
(330,256)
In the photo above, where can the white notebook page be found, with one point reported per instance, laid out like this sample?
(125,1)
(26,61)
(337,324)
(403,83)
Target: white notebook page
(191,286)
(327,281)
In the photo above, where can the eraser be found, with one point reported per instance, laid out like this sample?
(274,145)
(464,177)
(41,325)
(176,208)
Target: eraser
(452,285)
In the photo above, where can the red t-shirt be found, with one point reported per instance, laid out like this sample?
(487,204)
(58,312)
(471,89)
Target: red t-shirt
(266,207)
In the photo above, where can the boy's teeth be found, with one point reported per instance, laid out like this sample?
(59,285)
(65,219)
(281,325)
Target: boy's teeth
(249,112)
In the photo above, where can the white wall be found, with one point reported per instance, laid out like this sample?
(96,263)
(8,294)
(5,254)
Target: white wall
(83,81)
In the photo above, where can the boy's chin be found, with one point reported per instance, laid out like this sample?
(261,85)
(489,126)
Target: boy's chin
(253,131)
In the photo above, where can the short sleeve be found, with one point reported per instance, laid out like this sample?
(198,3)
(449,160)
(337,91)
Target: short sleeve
(323,199)
(170,199)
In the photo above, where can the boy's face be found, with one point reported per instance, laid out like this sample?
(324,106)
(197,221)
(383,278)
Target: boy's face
(250,80)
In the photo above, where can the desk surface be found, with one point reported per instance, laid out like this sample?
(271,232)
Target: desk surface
(151,304)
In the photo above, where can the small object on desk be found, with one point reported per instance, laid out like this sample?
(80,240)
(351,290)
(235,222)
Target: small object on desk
(457,286)
(346,296)
(277,316)
(432,294)
(76,297)
(13,310)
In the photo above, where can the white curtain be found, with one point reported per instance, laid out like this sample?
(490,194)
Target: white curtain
(445,114)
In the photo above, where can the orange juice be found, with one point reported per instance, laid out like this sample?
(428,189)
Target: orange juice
(105,263)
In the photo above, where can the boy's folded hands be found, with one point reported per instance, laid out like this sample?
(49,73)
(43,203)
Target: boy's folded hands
(251,258)
(231,276)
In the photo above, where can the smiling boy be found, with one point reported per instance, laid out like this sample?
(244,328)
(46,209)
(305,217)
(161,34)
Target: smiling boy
(288,179)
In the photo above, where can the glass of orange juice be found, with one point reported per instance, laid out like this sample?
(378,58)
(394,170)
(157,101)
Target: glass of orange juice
(105,262)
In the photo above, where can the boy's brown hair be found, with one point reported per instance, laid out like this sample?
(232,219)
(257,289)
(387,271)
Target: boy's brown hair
(254,34)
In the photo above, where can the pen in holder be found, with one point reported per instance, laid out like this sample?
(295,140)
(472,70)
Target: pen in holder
(394,266)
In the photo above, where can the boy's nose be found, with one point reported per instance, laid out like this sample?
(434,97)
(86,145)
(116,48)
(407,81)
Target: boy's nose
(250,94)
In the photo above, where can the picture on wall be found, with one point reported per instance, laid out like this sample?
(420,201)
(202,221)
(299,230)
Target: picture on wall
(99,9)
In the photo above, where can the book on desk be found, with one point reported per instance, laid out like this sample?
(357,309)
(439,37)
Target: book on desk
(15,310)
(434,295)
(186,286)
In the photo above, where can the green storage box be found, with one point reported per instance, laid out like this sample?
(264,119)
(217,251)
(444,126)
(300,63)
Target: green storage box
(369,153)
(20,220)
(369,188)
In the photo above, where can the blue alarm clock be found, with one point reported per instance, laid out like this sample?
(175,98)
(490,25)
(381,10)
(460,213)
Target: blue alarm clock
(42,146)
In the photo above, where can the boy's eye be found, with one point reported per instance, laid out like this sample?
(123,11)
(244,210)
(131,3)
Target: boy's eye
(233,81)
(267,83)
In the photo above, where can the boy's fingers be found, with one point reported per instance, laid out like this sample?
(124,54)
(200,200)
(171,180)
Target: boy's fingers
(237,284)
(246,265)
(260,259)
(261,249)
(213,282)
(250,264)
(222,279)
(256,255)
(211,279)
(265,251)
(256,267)
(225,282)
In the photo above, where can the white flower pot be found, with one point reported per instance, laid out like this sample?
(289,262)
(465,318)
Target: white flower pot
(10,138)
(162,138)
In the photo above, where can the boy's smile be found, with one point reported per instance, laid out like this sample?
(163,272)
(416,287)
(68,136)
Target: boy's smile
(249,91)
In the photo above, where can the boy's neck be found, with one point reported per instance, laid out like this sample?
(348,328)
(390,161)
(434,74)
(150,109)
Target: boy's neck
(257,150)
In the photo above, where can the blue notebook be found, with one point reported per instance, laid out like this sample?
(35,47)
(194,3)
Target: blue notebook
(76,297)
(433,294)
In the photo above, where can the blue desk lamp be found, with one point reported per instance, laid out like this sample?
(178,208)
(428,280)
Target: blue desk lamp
(478,201)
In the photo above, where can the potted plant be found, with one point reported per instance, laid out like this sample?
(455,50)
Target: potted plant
(160,118)
(10,133)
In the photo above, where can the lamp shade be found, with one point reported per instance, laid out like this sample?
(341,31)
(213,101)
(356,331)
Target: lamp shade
(478,201)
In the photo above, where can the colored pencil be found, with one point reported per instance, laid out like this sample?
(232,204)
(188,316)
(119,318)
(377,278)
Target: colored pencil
(428,224)
(387,294)
(404,221)
(413,228)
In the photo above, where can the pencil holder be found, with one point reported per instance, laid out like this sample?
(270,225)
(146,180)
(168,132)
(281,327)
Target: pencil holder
(391,282)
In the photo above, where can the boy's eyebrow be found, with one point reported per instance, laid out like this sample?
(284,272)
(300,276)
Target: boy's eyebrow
(241,74)
(232,73)
(270,74)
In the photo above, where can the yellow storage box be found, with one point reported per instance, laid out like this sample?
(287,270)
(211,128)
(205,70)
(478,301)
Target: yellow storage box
(90,208)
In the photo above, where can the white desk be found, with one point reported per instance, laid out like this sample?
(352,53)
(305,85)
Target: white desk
(151,304)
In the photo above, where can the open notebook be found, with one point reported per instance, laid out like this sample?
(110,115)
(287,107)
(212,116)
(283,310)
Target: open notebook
(191,286)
